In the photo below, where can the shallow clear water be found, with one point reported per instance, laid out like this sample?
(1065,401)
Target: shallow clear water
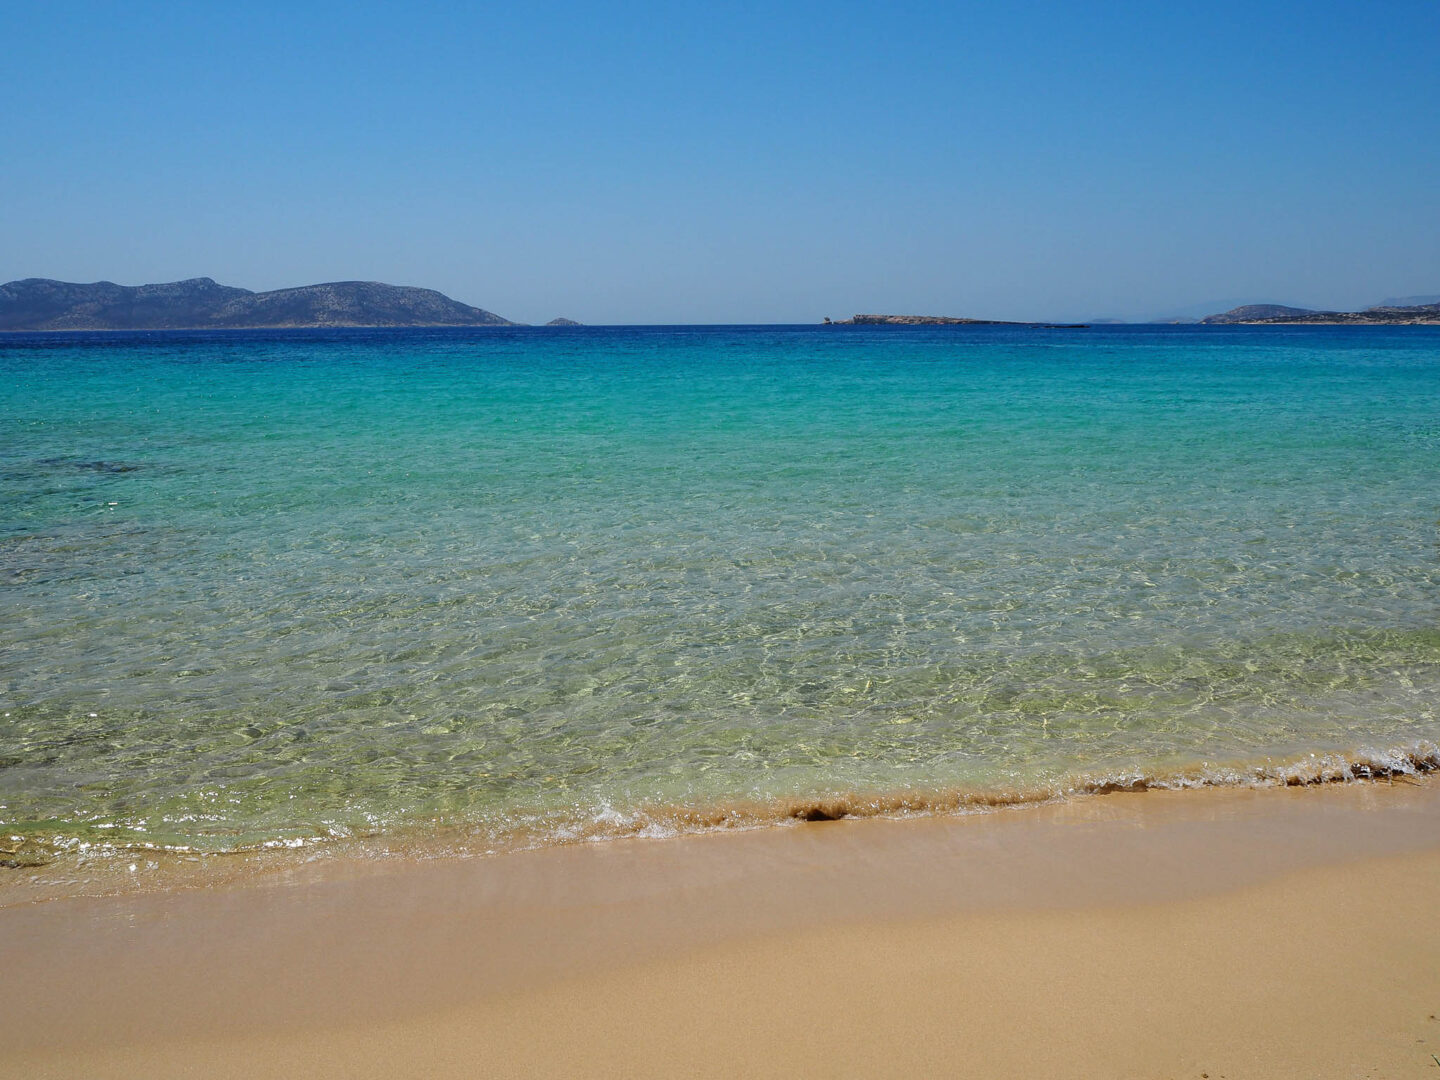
(552,583)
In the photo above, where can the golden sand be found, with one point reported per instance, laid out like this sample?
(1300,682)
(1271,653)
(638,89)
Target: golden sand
(1228,933)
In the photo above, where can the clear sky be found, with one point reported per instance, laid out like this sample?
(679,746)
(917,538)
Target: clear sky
(727,162)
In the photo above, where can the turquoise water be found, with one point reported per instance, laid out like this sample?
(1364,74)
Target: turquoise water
(532,585)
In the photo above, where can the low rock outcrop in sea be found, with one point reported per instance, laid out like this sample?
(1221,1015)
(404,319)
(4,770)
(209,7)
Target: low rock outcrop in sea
(916,320)
(203,304)
(941,320)
(563,322)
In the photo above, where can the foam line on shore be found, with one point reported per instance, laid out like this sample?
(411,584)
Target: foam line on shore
(57,866)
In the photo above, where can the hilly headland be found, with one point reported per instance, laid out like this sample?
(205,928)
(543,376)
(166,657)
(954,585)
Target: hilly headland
(1381,315)
(204,304)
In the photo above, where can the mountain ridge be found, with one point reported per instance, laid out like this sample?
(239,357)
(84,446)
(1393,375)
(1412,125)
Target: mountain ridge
(43,304)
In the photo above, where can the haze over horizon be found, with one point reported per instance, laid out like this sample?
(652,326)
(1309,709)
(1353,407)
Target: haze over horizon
(642,165)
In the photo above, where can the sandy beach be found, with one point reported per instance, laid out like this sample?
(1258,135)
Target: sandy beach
(1228,933)
(479,603)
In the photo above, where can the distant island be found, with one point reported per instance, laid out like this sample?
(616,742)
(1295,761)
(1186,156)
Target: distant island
(913,320)
(1382,315)
(563,322)
(203,304)
(938,320)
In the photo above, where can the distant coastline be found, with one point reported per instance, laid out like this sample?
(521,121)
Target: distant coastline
(940,320)
(1272,314)
(41,304)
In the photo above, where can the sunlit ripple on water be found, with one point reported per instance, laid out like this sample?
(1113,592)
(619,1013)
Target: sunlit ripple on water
(275,589)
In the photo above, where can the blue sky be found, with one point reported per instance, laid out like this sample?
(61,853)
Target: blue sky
(733,162)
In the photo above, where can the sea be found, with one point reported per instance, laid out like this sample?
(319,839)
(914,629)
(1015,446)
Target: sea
(478,589)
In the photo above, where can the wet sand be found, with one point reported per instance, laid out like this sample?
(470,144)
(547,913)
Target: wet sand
(1289,932)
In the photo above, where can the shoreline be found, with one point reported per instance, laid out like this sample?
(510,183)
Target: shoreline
(37,869)
(1300,914)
